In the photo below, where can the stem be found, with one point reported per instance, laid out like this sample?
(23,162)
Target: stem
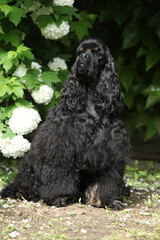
(4,73)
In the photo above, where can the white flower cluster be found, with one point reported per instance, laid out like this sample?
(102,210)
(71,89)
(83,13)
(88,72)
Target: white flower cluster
(64,2)
(24,120)
(15,147)
(57,64)
(35,65)
(20,71)
(52,31)
(43,95)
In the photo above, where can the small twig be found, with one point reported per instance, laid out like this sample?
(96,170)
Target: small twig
(4,73)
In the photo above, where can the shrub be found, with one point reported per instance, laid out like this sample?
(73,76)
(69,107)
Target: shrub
(132,31)
(34,38)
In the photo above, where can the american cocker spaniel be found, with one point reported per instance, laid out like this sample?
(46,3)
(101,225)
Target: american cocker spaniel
(81,150)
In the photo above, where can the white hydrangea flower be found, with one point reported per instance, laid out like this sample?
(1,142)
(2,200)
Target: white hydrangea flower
(52,31)
(20,71)
(57,64)
(43,95)
(24,120)
(64,2)
(15,147)
(35,65)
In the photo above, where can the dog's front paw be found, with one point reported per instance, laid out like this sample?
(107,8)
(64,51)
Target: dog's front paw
(62,201)
(116,205)
(9,192)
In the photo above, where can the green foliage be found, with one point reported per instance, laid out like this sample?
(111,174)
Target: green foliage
(19,33)
(142,179)
(132,31)
(7,172)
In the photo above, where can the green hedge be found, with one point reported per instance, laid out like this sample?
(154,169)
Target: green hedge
(132,31)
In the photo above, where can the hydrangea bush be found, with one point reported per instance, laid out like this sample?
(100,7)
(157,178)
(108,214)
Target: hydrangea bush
(35,36)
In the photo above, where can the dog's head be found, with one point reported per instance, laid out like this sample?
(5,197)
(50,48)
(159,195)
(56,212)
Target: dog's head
(94,68)
(92,57)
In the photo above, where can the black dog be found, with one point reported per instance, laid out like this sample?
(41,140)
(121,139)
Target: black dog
(80,151)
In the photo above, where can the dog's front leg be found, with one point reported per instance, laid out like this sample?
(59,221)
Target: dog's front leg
(60,187)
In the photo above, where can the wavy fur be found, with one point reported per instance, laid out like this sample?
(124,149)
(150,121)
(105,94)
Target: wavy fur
(82,148)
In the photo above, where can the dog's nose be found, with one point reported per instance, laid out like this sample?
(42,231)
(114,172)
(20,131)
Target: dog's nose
(84,56)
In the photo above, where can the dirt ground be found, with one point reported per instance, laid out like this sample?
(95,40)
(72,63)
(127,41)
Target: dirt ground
(27,220)
(140,218)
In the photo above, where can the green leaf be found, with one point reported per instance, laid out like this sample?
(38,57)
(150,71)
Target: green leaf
(13,36)
(128,100)
(153,98)
(6,9)
(131,121)
(156,121)
(28,3)
(26,54)
(154,20)
(142,51)
(24,103)
(151,59)
(63,74)
(8,133)
(156,77)
(2,126)
(126,77)
(44,20)
(11,54)
(3,56)
(50,77)
(9,110)
(3,89)
(22,48)
(16,14)
(17,90)
(33,72)
(15,62)
(130,36)
(7,64)
(81,28)
(151,130)
(1,29)
(143,119)
(31,82)
(57,94)
(92,16)
(65,41)
(151,88)
(65,10)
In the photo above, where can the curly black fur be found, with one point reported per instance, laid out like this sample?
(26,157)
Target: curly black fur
(82,148)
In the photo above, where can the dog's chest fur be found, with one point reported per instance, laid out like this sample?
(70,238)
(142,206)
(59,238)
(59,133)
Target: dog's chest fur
(90,108)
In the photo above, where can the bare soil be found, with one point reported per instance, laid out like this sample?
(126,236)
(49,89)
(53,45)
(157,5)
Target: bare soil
(140,219)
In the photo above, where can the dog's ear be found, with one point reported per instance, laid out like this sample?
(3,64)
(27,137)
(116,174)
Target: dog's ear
(108,87)
(74,94)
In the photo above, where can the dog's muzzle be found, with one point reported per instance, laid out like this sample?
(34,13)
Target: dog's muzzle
(82,64)
(82,69)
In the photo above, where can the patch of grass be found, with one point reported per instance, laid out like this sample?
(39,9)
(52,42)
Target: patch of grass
(8,172)
(152,200)
(142,179)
